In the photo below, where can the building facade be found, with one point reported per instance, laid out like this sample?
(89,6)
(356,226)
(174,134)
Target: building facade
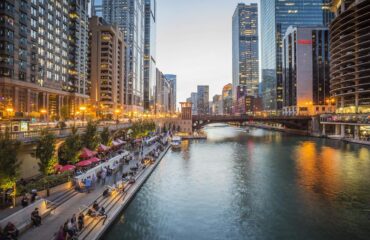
(245,49)
(107,66)
(43,64)
(150,55)
(164,94)
(227,99)
(173,82)
(306,78)
(350,72)
(194,100)
(129,15)
(276,16)
(217,105)
(203,99)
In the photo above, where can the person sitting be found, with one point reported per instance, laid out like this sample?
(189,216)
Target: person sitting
(81,223)
(95,206)
(10,231)
(106,193)
(103,214)
(24,201)
(35,217)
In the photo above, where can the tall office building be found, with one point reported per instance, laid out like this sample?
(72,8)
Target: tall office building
(194,100)
(107,66)
(163,93)
(306,77)
(276,17)
(173,81)
(203,99)
(150,55)
(350,61)
(43,64)
(245,49)
(129,15)
(227,99)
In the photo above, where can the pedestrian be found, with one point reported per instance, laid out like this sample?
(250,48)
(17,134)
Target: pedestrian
(103,175)
(88,184)
(60,235)
(24,201)
(81,222)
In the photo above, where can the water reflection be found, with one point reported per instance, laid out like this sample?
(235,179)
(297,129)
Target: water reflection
(253,185)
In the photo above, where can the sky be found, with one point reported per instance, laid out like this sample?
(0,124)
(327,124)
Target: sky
(194,42)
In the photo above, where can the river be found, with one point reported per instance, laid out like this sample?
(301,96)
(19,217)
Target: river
(253,185)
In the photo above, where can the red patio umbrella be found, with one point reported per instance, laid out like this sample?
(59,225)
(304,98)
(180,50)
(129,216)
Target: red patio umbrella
(57,167)
(94,160)
(67,168)
(84,163)
(103,148)
(87,153)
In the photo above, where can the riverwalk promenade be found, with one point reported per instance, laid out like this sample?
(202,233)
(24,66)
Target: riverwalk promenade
(78,203)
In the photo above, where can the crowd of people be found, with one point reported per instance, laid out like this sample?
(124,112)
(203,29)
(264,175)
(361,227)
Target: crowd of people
(71,228)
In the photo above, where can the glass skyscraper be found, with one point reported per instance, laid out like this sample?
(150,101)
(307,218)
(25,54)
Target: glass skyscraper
(129,16)
(245,50)
(150,55)
(276,17)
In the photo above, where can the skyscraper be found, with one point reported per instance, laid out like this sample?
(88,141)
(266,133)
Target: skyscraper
(150,55)
(306,71)
(173,81)
(245,49)
(276,17)
(129,16)
(203,99)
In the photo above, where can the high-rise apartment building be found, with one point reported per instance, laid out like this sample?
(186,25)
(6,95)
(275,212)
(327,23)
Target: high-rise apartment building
(173,82)
(43,64)
(245,49)
(150,55)
(129,15)
(107,66)
(276,16)
(203,99)
(306,77)
(350,61)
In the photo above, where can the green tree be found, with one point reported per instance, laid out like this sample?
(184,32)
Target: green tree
(45,150)
(69,150)
(90,139)
(105,136)
(9,165)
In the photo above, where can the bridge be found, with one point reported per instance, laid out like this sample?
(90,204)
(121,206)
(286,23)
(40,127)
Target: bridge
(292,122)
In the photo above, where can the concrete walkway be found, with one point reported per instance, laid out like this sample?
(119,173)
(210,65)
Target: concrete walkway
(59,216)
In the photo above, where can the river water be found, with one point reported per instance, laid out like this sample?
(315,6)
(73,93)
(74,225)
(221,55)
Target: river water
(256,185)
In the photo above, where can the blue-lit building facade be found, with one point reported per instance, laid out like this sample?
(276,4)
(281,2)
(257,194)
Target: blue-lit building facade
(129,16)
(150,55)
(276,17)
(245,52)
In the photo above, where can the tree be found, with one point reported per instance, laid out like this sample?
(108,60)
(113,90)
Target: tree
(90,139)
(45,150)
(105,136)
(69,150)
(9,165)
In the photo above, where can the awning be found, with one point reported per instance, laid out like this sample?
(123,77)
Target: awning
(67,168)
(87,153)
(103,148)
(94,160)
(84,163)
